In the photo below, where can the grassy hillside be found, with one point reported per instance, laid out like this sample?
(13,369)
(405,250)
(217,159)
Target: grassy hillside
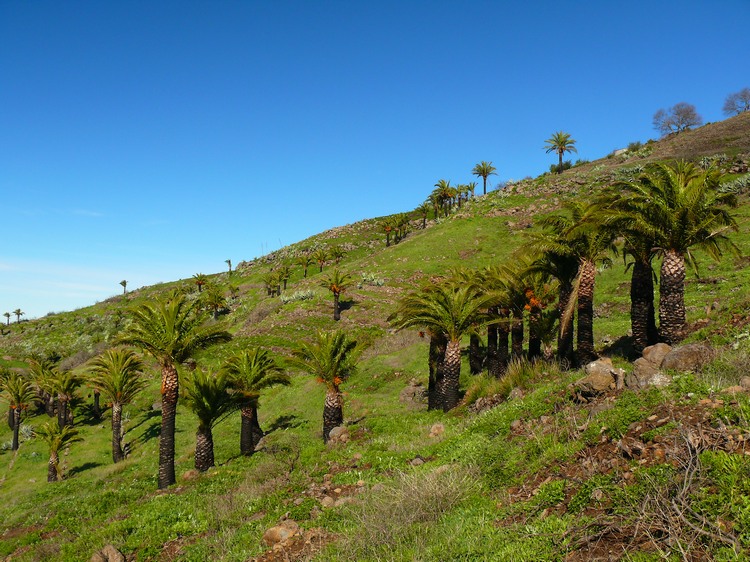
(654,475)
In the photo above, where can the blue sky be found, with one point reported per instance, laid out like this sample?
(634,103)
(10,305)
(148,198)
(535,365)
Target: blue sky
(149,141)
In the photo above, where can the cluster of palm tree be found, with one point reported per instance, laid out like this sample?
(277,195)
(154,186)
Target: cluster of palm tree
(666,212)
(445,197)
(396,226)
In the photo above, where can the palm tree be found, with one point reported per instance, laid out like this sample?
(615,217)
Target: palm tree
(250,372)
(56,438)
(389,225)
(321,257)
(18,312)
(19,392)
(284,272)
(215,300)
(43,375)
(171,331)
(451,309)
(336,282)
(560,143)
(444,193)
(124,284)
(484,170)
(304,261)
(208,396)
(424,210)
(680,208)
(118,374)
(7,318)
(200,280)
(332,358)
(272,282)
(471,186)
(229,263)
(64,384)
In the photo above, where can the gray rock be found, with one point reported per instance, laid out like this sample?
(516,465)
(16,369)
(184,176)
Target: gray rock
(595,383)
(108,554)
(601,366)
(327,501)
(689,357)
(338,435)
(656,353)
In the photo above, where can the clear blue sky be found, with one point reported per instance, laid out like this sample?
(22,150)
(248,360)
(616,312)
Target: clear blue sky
(149,141)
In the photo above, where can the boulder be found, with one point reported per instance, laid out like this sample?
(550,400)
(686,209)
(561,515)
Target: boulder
(280,533)
(598,380)
(689,357)
(643,371)
(108,554)
(415,392)
(745,383)
(655,354)
(437,430)
(338,435)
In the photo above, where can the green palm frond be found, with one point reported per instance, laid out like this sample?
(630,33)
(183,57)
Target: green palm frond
(208,396)
(331,357)
(117,374)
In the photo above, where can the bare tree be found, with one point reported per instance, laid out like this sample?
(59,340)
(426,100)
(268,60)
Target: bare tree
(737,102)
(680,117)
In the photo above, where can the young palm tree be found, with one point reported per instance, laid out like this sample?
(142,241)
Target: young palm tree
(118,375)
(7,318)
(43,374)
(560,143)
(424,210)
(451,309)
(332,358)
(471,186)
(249,373)
(124,284)
(337,254)
(444,194)
(56,438)
(208,396)
(304,261)
(200,280)
(321,257)
(284,272)
(337,283)
(65,384)
(18,312)
(19,392)
(680,208)
(215,300)
(272,282)
(484,170)
(170,331)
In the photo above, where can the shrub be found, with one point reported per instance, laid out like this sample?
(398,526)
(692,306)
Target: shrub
(635,146)
(371,279)
(297,296)
(556,169)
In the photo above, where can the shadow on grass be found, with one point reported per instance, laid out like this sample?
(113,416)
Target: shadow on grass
(84,467)
(287,421)
(621,347)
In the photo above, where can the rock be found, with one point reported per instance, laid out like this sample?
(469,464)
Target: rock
(737,389)
(280,533)
(327,501)
(437,430)
(600,366)
(515,394)
(655,354)
(344,501)
(356,457)
(660,380)
(414,393)
(108,554)
(595,383)
(516,425)
(689,357)
(643,371)
(338,435)
(417,461)
(360,483)
(745,383)
(298,501)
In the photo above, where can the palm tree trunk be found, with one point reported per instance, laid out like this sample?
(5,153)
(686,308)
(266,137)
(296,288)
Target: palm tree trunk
(336,307)
(250,430)
(559,166)
(204,448)
(170,387)
(475,354)
(493,365)
(535,339)
(62,412)
(503,337)
(438,343)
(484,185)
(97,408)
(52,467)
(49,404)
(672,297)
(516,334)
(448,390)
(117,453)
(333,411)
(642,320)
(11,419)
(565,354)
(16,427)
(585,335)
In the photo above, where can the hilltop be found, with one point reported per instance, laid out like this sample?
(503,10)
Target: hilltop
(654,474)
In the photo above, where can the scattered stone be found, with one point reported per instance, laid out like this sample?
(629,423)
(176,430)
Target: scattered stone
(108,554)
(298,501)
(356,457)
(737,389)
(596,382)
(280,533)
(337,491)
(360,483)
(437,430)
(655,354)
(417,461)
(745,383)
(516,425)
(414,393)
(344,501)
(338,435)
(515,394)
(327,501)
(689,357)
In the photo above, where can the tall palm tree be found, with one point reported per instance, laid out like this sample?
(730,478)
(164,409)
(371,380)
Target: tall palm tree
(200,280)
(7,318)
(332,358)
(304,261)
(560,143)
(424,210)
(65,384)
(451,309)
(336,282)
(209,397)
(118,375)
(19,392)
(484,170)
(229,263)
(43,375)
(18,312)
(679,207)
(124,284)
(471,186)
(250,372)
(444,194)
(56,438)
(171,331)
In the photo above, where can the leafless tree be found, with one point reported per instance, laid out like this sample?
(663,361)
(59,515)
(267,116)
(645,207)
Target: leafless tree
(679,117)
(737,102)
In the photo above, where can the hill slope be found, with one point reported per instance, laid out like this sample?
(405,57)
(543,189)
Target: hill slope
(539,477)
